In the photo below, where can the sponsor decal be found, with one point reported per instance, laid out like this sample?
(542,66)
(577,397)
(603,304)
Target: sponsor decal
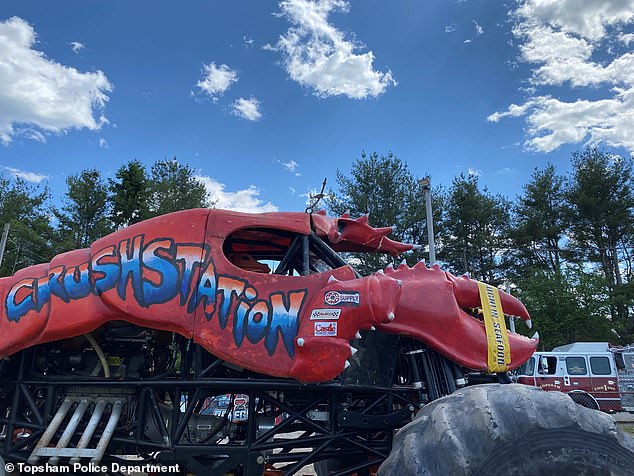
(499,353)
(325,328)
(332,298)
(327,314)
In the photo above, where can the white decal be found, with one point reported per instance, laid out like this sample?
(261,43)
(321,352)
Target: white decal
(325,328)
(318,314)
(333,298)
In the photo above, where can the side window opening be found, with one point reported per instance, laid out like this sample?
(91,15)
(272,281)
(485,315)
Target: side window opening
(551,365)
(263,250)
(600,366)
(576,366)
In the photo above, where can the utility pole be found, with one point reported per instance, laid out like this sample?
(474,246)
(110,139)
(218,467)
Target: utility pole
(425,184)
(511,319)
(3,241)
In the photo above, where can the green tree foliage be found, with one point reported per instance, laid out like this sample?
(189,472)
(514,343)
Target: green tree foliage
(567,307)
(475,225)
(25,208)
(383,187)
(540,223)
(83,216)
(174,187)
(129,195)
(602,201)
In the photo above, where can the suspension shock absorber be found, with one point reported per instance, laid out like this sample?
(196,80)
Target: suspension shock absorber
(433,374)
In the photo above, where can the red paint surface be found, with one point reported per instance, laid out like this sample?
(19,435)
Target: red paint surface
(423,303)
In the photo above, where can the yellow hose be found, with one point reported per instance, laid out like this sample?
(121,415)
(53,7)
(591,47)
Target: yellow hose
(100,354)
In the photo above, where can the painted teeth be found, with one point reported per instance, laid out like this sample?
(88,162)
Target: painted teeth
(372,328)
(357,336)
(535,336)
(529,323)
(332,279)
(300,342)
(346,365)
(390,316)
(353,350)
(380,271)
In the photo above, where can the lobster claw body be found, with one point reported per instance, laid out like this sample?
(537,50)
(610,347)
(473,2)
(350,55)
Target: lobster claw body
(432,307)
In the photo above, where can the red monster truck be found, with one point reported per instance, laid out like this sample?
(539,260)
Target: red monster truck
(119,349)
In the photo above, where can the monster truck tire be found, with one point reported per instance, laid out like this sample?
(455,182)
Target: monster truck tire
(497,430)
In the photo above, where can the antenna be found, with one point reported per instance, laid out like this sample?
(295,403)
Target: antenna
(316,198)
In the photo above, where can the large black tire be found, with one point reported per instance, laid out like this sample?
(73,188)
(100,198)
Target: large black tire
(501,430)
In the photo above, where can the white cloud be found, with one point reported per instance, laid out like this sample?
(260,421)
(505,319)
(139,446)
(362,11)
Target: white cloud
(247,41)
(33,177)
(247,109)
(588,18)
(76,46)
(241,201)
(569,45)
(217,80)
(508,171)
(450,28)
(626,38)
(103,143)
(473,172)
(318,56)
(42,93)
(33,135)
(291,166)
(478,28)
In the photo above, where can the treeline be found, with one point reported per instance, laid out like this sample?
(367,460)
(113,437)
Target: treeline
(92,207)
(565,244)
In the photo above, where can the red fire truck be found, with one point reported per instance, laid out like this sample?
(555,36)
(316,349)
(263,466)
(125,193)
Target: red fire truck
(595,374)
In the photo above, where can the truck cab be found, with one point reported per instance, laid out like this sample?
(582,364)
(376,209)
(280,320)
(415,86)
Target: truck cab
(587,371)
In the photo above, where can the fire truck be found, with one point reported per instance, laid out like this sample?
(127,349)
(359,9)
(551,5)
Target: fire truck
(594,374)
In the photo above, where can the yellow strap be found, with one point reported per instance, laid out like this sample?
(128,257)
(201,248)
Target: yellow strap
(499,355)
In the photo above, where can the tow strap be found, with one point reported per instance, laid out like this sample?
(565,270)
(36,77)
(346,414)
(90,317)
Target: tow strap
(499,354)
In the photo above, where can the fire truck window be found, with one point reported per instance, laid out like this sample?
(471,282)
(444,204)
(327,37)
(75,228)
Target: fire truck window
(527,368)
(576,366)
(551,363)
(600,366)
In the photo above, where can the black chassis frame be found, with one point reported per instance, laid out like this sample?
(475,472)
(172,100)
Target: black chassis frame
(389,378)
(360,413)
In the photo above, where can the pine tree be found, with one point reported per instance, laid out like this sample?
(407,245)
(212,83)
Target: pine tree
(475,226)
(25,208)
(540,223)
(602,201)
(383,187)
(129,195)
(83,216)
(174,187)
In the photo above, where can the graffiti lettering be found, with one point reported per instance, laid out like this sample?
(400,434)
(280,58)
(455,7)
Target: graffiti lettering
(157,272)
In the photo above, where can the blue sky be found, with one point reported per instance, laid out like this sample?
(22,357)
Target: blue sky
(266,98)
